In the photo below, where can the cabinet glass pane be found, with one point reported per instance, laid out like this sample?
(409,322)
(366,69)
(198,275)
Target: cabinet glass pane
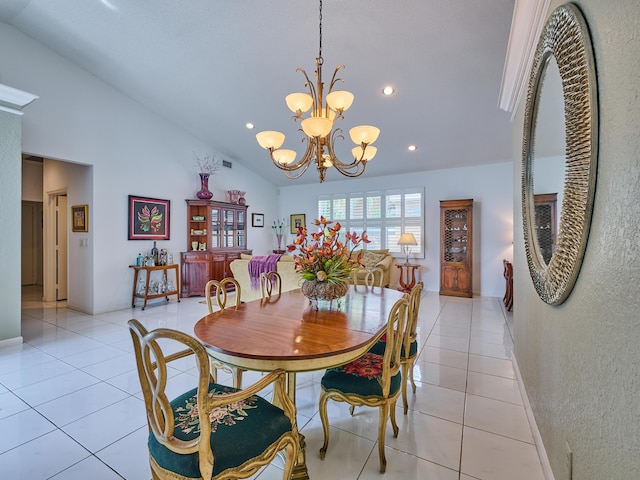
(215,228)
(455,236)
(228,228)
(241,241)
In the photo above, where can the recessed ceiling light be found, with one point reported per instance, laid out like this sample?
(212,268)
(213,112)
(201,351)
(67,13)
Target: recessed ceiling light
(412,148)
(249,125)
(388,90)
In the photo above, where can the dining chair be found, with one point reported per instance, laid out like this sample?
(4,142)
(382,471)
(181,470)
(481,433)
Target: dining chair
(270,282)
(221,291)
(409,350)
(210,431)
(373,380)
(367,276)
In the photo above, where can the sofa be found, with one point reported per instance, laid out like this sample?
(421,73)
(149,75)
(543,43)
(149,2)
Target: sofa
(380,261)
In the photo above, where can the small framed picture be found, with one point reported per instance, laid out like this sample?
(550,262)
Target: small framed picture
(148,218)
(80,218)
(257,219)
(297,220)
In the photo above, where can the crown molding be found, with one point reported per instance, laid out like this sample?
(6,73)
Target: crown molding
(529,17)
(13,100)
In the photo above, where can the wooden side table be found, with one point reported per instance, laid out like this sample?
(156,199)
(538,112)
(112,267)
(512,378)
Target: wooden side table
(146,295)
(406,270)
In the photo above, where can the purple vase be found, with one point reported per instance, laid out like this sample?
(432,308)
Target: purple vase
(204,193)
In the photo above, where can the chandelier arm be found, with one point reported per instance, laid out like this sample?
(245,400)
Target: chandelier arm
(334,79)
(312,89)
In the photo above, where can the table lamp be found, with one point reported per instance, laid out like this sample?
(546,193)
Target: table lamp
(405,240)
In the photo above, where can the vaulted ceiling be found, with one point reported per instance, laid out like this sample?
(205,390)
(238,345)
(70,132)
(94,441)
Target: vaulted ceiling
(211,66)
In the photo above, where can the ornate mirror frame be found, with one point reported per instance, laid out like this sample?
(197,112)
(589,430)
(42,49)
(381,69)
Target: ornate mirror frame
(566,37)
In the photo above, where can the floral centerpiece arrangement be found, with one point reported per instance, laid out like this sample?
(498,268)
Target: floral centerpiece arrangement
(324,261)
(278,229)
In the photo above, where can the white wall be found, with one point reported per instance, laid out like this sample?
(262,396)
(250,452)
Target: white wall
(10,220)
(579,360)
(491,188)
(79,119)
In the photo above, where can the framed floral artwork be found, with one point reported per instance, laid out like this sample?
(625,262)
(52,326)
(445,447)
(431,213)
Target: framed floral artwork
(80,218)
(148,218)
(297,220)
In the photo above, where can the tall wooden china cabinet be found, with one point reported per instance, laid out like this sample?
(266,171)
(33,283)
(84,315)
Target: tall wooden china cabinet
(456,235)
(216,236)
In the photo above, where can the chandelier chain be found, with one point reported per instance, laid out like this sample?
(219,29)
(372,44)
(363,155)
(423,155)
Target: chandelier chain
(320,28)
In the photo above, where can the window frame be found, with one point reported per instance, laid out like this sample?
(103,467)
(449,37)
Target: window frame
(389,227)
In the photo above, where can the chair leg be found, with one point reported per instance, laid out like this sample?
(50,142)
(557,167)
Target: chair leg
(413,383)
(405,402)
(392,415)
(322,407)
(290,456)
(382,429)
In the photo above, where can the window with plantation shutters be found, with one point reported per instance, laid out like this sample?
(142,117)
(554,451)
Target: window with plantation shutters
(385,215)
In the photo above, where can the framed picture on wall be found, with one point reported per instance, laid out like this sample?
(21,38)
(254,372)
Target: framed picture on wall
(148,218)
(257,219)
(297,220)
(80,218)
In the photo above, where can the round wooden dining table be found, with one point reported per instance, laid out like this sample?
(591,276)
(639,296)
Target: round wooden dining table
(287,331)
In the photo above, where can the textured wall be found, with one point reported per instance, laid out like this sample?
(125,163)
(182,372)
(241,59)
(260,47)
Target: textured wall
(580,360)
(10,219)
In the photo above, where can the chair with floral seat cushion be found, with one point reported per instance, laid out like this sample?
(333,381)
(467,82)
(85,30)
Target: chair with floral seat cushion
(409,343)
(211,431)
(372,380)
(222,289)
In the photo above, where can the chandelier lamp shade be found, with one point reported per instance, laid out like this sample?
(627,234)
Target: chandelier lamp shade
(318,115)
(406,240)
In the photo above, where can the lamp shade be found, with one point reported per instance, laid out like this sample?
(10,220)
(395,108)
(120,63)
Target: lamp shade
(270,139)
(340,100)
(407,239)
(369,153)
(316,126)
(299,101)
(284,156)
(364,134)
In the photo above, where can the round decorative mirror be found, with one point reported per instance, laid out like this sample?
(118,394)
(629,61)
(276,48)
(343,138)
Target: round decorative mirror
(564,41)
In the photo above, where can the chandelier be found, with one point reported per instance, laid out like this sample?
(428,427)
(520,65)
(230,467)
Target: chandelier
(318,128)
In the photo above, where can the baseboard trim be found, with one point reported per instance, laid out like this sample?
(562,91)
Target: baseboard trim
(10,342)
(542,453)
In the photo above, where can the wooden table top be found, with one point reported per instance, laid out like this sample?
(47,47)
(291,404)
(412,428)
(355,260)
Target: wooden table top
(286,332)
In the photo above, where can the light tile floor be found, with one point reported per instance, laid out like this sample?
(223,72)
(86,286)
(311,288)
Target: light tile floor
(71,406)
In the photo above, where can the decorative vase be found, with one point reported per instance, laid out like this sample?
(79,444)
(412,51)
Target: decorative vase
(279,238)
(204,193)
(315,290)
(234,195)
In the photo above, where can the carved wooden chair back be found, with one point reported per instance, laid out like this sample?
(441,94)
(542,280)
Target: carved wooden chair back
(270,283)
(373,380)
(222,289)
(185,432)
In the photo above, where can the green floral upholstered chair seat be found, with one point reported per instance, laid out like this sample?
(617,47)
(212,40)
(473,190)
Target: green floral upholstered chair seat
(239,432)
(361,377)
(409,343)
(372,380)
(212,431)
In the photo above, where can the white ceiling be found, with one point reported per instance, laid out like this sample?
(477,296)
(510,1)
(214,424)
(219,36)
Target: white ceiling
(213,65)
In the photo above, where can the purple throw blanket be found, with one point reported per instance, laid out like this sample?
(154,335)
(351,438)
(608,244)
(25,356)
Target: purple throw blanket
(261,264)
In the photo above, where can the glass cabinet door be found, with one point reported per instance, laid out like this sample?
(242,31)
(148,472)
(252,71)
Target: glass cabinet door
(215,228)
(242,241)
(229,228)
